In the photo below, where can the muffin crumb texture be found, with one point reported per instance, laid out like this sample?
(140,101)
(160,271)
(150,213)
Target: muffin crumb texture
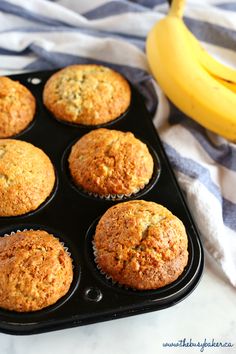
(87,94)
(110,162)
(17,107)
(35,271)
(141,245)
(27,177)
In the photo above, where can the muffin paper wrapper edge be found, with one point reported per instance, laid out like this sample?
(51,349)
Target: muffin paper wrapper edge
(108,277)
(111,197)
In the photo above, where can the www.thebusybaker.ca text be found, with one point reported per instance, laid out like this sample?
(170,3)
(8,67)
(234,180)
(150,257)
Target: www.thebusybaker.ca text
(190,343)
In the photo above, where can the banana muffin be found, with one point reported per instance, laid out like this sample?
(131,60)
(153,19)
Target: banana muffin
(141,245)
(110,162)
(87,94)
(35,271)
(17,107)
(27,177)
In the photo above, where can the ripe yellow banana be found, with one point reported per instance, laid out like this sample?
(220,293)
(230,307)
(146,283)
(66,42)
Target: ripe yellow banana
(213,66)
(203,92)
(230,85)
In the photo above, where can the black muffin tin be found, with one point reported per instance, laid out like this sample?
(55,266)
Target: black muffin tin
(71,215)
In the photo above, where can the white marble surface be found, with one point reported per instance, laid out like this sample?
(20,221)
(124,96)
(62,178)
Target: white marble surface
(209,312)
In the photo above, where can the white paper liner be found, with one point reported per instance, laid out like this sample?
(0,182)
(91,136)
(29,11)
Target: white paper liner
(108,277)
(112,197)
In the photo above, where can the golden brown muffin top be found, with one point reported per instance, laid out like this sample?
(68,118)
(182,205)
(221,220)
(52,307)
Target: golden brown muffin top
(110,162)
(17,107)
(26,177)
(141,244)
(35,271)
(87,94)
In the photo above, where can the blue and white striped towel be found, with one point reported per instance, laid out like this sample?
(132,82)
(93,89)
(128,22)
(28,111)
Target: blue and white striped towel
(41,34)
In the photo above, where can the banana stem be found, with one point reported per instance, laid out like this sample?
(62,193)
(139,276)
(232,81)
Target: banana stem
(177,8)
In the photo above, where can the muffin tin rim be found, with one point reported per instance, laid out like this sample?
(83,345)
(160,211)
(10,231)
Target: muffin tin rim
(47,324)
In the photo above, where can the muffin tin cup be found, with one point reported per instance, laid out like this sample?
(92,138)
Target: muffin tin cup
(44,204)
(75,264)
(122,87)
(172,289)
(114,197)
(13,111)
(69,214)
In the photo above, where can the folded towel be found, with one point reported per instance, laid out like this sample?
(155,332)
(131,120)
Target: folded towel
(40,34)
